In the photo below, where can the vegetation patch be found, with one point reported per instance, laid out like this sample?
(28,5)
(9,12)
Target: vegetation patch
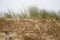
(35,24)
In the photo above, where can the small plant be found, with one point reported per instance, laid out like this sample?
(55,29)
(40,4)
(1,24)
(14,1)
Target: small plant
(34,12)
(22,15)
(10,14)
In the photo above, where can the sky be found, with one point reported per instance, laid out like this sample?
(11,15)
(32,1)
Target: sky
(17,5)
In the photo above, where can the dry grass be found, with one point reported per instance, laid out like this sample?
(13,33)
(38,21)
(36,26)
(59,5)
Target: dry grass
(30,29)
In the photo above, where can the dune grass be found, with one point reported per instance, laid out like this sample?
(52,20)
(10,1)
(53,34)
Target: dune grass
(33,12)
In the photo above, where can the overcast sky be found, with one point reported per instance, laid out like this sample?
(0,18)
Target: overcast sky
(18,5)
